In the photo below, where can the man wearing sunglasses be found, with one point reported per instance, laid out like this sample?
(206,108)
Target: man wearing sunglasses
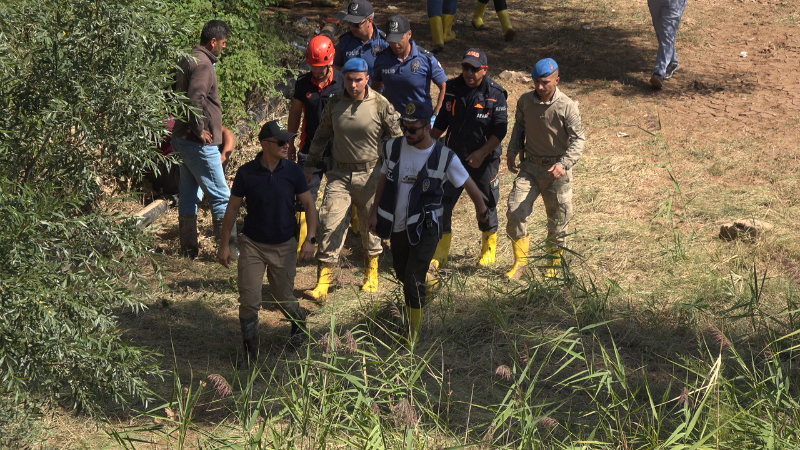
(408,203)
(357,119)
(270,184)
(364,40)
(475,117)
(549,138)
(405,70)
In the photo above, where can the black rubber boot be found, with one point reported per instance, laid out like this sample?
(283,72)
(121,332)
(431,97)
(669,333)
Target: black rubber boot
(187,230)
(249,340)
(299,334)
(233,240)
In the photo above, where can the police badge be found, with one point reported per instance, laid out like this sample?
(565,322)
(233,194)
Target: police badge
(426,184)
(375,50)
(411,109)
(415,66)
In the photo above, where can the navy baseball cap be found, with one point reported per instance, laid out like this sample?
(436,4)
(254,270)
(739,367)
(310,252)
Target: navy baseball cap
(544,68)
(475,58)
(355,65)
(274,129)
(358,10)
(397,27)
(417,111)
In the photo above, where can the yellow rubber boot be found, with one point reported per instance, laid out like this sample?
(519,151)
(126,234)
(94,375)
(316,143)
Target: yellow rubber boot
(437,33)
(505,21)
(521,247)
(447,27)
(477,16)
(354,227)
(442,251)
(320,292)
(371,274)
(301,219)
(489,240)
(414,325)
(554,262)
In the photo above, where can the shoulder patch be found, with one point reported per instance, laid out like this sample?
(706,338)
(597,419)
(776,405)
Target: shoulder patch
(424,51)
(380,33)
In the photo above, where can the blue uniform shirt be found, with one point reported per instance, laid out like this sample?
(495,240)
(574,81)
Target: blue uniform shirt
(408,80)
(350,47)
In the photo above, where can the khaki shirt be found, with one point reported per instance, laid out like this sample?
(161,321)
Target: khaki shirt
(356,126)
(546,130)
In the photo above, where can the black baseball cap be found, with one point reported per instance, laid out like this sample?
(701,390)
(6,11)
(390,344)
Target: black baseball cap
(273,129)
(475,58)
(397,27)
(358,10)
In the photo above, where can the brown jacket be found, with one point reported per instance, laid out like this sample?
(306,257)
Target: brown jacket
(198,79)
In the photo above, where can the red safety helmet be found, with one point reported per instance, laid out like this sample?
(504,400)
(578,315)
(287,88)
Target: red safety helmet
(320,51)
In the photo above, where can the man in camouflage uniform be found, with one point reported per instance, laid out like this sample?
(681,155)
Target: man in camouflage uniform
(356,118)
(549,137)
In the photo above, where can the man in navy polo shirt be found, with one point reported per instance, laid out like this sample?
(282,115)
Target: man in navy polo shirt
(364,40)
(405,70)
(270,183)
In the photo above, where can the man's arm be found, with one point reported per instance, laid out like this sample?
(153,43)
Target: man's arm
(307,250)
(321,138)
(295,112)
(577,137)
(372,223)
(197,91)
(440,99)
(224,252)
(517,143)
(481,211)
(390,121)
(228,144)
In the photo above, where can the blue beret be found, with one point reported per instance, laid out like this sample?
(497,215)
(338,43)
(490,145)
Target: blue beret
(355,65)
(544,68)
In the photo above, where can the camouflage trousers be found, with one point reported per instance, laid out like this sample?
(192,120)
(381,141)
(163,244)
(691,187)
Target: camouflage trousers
(534,180)
(343,189)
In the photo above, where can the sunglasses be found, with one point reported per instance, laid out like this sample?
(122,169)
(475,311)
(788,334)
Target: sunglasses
(358,25)
(412,130)
(469,68)
(280,143)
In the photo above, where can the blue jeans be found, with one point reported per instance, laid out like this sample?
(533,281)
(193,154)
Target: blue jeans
(666,16)
(201,173)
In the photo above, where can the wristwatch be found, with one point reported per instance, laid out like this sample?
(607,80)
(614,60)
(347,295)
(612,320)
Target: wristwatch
(312,239)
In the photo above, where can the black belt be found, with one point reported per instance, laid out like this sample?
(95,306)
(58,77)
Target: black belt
(543,160)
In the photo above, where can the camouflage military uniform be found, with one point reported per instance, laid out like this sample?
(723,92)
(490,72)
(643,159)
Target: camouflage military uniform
(545,134)
(357,128)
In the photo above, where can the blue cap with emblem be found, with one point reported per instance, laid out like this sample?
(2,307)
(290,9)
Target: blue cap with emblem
(544,68)
(416,111)
(355,65)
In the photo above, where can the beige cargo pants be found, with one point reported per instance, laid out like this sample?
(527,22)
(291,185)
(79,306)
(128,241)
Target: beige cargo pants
(534,180)
(343,188)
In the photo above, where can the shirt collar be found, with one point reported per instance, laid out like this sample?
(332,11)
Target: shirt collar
(261,165)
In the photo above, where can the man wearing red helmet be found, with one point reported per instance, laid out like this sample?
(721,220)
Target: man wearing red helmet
(311,94)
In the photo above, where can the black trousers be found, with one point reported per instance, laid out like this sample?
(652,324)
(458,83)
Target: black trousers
(411,263)
(488,182)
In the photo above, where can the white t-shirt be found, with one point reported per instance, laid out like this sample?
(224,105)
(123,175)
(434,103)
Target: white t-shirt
(412,160)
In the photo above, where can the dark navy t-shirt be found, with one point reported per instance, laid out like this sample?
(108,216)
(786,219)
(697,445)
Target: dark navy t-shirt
(270,198)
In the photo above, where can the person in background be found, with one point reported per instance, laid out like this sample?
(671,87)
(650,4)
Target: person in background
(666,15)
(441,14)
(501,8)
(311,93)
(475,117)
(196,138)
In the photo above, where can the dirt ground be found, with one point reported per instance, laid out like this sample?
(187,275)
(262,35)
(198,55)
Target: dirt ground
(725,128)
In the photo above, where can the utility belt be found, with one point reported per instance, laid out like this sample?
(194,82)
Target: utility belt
(353,167)
(540,160)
